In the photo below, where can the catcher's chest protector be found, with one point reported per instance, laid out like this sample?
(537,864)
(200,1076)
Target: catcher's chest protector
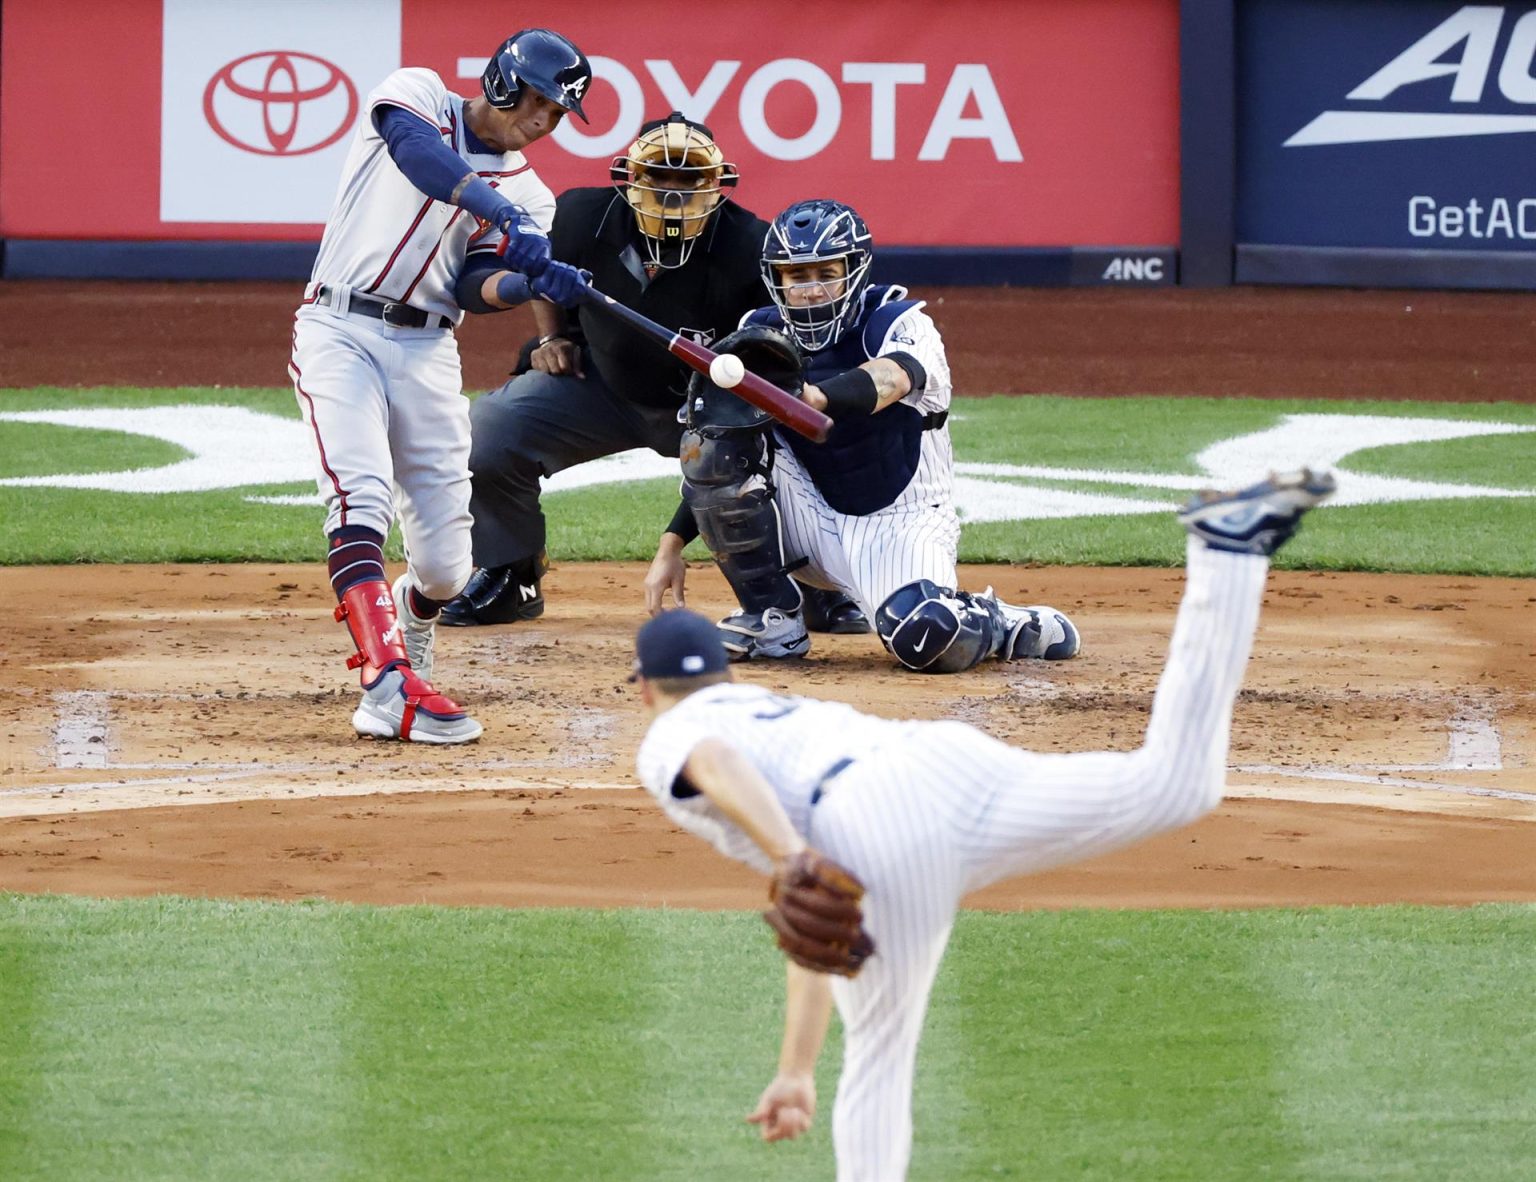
(867,461)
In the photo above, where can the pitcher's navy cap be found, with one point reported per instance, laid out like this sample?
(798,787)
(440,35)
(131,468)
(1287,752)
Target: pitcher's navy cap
(678,643)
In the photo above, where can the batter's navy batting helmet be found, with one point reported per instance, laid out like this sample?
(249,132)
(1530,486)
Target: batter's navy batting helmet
(543,61)
(818,231)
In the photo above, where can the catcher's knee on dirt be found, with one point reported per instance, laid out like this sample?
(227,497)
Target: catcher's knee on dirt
(935,629)
(725,482)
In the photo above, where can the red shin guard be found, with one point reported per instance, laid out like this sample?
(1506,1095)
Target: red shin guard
(368,610)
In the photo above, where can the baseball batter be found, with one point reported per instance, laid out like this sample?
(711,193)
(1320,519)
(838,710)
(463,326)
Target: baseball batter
(913,815)
(870,512)
(438,213)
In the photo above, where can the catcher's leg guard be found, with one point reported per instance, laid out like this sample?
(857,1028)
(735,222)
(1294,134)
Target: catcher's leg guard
(725,482)
(397,703)
(935,629)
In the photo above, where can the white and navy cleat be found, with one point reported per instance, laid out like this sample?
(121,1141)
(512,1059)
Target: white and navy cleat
(1035,633)
(770,634)
(1258,519)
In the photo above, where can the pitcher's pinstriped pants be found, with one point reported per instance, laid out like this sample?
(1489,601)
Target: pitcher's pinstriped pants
(929,821)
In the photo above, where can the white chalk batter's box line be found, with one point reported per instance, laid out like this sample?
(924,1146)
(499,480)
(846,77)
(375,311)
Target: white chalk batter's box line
(81,740)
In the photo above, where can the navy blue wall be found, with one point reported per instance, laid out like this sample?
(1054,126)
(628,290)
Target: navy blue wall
(1407,181)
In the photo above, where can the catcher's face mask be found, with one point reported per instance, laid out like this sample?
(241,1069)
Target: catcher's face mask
(813,299)
(673,178)
(799,240)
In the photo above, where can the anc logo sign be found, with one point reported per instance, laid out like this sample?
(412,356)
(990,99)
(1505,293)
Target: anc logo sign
(280,103)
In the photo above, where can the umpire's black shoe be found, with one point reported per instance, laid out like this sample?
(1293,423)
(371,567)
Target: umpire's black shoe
(498,595)
(832,611)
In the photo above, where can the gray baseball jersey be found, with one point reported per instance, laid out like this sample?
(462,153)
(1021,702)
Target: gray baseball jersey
(385,404)
(924,812)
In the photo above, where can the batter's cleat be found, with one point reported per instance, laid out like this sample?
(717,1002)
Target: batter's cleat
(1258,519)
(765,635)
(401,705)
(419,634)
(1034,633)
(833,611)
(499,595)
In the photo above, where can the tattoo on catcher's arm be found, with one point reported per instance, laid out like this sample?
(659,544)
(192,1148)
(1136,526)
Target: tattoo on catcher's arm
(891,382)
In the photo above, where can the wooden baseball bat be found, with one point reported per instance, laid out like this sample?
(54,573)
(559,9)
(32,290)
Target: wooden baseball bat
(782,406)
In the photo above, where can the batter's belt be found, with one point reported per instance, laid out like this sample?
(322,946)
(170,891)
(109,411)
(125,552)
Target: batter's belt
(392,314)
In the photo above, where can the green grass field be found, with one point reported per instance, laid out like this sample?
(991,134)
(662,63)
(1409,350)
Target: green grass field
(205,1040)
(1129,436)
(192,1040)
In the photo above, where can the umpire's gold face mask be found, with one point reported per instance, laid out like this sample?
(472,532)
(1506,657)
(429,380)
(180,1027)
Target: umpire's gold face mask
(674,179)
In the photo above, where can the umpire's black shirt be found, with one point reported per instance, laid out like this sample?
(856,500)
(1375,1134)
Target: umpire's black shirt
(703,299)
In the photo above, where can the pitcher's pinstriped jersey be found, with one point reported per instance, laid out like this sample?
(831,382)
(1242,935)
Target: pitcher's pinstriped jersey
(793,742)
(384,236)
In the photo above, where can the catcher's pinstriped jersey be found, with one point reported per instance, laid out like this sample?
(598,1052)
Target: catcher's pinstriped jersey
(913,532)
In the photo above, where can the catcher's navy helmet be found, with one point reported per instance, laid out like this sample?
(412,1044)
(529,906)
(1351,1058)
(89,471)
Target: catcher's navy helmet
(814,232)
(543,61)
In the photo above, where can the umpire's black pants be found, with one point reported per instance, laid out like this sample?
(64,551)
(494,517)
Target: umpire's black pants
(534,426)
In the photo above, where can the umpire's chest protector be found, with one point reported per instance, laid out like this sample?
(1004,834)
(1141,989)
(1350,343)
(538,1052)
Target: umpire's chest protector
(867,461)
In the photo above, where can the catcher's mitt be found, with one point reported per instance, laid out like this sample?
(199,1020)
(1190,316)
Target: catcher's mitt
(817,915)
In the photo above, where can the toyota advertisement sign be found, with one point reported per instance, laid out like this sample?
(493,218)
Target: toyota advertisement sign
(1408,126)
(1018,124)
(259,103)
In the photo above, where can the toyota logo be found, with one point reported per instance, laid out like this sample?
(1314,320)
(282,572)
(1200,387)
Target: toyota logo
(280,103)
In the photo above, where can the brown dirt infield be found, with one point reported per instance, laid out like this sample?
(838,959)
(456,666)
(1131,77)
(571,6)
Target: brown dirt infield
(184,729)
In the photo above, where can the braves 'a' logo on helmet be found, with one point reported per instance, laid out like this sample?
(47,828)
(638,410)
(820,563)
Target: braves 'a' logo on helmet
(543,61)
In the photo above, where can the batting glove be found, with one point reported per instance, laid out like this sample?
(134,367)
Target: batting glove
(525,247)
(561,283)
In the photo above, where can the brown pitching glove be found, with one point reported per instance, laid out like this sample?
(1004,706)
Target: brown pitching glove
(817,915)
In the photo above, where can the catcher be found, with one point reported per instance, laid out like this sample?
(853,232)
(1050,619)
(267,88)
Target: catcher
(830,801)
(869,514)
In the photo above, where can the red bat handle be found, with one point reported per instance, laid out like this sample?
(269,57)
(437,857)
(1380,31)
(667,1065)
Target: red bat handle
(782,406)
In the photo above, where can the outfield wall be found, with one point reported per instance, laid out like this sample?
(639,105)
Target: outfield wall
(1007,141)
(1386,143)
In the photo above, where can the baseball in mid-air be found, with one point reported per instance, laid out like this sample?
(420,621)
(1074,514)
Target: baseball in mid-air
(726,371)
